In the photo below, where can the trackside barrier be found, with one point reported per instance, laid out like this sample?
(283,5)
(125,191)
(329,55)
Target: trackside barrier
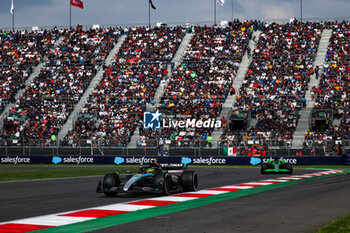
(140,160)
(347,159)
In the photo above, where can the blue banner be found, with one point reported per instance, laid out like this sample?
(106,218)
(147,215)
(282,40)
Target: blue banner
(141,160)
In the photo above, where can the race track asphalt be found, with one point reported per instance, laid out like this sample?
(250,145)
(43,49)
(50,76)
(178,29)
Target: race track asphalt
(301,207)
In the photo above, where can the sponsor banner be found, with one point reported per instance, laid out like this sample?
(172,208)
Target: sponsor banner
(73,160)
(175,161)
(15,160)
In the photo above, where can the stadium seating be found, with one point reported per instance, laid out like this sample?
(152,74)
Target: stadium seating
(117,104)
(49,99)
(334,88)
(19,53)
(276,81)
(200,85)
(272,92)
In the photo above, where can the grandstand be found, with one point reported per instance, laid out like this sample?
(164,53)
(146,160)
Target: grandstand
(330,124)
(280,86)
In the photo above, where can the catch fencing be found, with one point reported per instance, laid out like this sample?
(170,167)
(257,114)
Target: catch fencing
(99,147)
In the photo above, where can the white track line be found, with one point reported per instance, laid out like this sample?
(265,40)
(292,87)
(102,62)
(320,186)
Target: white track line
(123,207)
(237,187)
(259,183)
(212,192)
(173,198)
(51,220)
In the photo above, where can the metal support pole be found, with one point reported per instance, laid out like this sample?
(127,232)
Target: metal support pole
(301,10)
(70,15)
(214,12)
(231,10)
(13,21)
(149,15)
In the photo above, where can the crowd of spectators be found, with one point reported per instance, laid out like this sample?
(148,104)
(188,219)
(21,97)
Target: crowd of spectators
(333,91)
(274,88)
(49,99)
(273,91)
(118,102)
(200,84)
(20,52)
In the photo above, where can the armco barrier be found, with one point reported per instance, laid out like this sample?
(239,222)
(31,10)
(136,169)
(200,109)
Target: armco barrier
(141,160)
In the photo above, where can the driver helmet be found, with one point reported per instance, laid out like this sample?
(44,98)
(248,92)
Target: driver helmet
(151,170)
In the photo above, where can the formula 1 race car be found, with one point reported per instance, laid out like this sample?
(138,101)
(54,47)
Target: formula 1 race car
(276,165)
(155,179)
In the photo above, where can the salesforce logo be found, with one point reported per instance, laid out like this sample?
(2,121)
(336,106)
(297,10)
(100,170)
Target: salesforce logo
(56,160)
(119,160)
(186,160)
(255,161)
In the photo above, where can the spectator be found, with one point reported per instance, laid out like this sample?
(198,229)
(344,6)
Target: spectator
(248,52)
(303,100)
(223,122)
(209,140)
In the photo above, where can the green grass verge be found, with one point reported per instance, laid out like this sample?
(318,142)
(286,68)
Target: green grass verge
(45,173)
(339,225)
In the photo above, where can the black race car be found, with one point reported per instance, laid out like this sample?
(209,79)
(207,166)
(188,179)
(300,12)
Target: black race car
(161,180)
(276,165)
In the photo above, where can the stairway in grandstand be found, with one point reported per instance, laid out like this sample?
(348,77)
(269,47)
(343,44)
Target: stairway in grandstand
(163,84)
(177,59)
(95,81)
(303,123)
(229,102)
(36,72)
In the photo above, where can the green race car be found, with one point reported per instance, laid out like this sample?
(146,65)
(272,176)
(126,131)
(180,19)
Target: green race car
(276,165)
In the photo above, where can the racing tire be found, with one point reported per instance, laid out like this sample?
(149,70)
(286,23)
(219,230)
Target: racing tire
(161,181)
(110,180)
(289,167)
(189,181)
(264,166)
(166,185)
(99,187)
